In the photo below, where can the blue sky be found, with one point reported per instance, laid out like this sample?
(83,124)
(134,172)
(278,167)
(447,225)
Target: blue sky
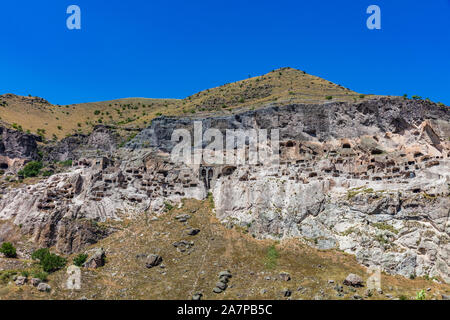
(172,49)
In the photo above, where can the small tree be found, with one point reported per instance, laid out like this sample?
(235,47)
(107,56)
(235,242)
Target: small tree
(8,250)
(52,262)
(31,169)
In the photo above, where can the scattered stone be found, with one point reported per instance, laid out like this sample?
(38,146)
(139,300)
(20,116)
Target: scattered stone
(182,217)
(225,273)
(224,279)
(183,245)
(262,291)
(284,276)
(379,291)
(445,297)
(217,290)
(197,296)
(35,282)
(20,281)
(192,231)
(44,287)
(286,292)
(428,289)
(330,281)
(153,260)
(339,288)
(353,280)
(357,297)
(97,259)
(221,285)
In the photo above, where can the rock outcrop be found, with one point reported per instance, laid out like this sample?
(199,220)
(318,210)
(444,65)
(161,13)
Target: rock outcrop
(370,178)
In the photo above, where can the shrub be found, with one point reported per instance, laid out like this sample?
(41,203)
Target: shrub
(417,97)
(66,163)
(47,173)
(80,259)
(329,97)
(42,275)
(361,96)
(211,200)
(40,253)
(8,250)
(52,262)
(168,206)
(97,112)
(420,295)
(31,169)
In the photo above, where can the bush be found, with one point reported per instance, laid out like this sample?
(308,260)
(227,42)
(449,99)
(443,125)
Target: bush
(42,275)
(66,163)
(52,262)
(80,259)
(168,206)
(40,253)
(31,169)
(329,97)
(8,250)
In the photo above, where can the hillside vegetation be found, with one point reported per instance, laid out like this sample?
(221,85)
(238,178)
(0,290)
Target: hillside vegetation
(279,87)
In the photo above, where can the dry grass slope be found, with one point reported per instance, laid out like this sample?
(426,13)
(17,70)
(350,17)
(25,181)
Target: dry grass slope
(279,87)
(216,248)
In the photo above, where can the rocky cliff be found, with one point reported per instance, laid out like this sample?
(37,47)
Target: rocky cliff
(369,178)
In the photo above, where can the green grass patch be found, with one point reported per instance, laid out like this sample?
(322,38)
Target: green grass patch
(271,259)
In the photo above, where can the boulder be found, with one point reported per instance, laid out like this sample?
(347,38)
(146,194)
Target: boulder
(284,276)
(225,273)
(217,290)
(197,296)
(35,281)
(353,280)
(153,260)
(97,260)
(192,231)
(221,285)
(44,287)
(20,281)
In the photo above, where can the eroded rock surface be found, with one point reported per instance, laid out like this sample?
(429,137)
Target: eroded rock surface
(370,178)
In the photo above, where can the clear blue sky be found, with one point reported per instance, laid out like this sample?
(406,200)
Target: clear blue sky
(171,49)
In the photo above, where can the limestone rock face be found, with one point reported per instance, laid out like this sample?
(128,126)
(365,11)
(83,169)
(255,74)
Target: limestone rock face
(16,148)
(369,178)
